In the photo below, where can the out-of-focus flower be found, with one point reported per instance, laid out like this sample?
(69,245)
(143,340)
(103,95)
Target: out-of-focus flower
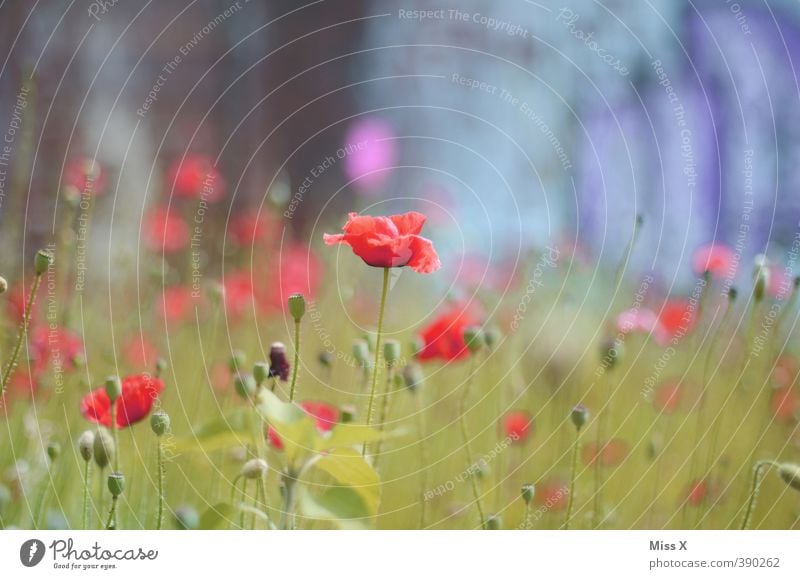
(369,153)
(717,259)
(552,494)
(57,345)
(612,453)
(392,241)
(667,397)
(84,176)
(676,320)
(325,417)
(164,230)
(517,425)
(443,338)
(251,228)
(140,352)
(196,177)
(698,492)
(139,392)
(784,403)
(176,304)
(639,320)
(298,270)
(238,292)
(785,371)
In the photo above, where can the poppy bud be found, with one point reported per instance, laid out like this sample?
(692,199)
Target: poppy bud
(347,413)
(611,352)
(113,388)
(53,450)
(255,468)
(494,523)
(391,351)
(790,473)
(116,483)
(760,277)
(325,359)
(413,376)
(732,294)
(103,448)
(3,285)
(260,372)
(417,345)
(237,361)
(85,444)
(186,518)
(580,416)
(245,385)
(473,338)
(42,261)
(361,351)
(278,364)
(528,492)
(159,422)
(161,365)
(492,337)
(297,306)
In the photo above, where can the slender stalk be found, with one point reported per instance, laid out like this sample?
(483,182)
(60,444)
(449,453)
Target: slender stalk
(572,477)
(243,502)
(287,516)
(381,312)
(384,413)
(465,442)
(296,360)
(423,453)
(23,330)
(160,458)
(86,486)
(111,523)
(113,410)
(755,488)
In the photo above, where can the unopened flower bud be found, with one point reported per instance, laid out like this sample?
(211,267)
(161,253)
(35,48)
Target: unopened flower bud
(297,306)
(492,336)
(369,338)
(260,372)
(611,352)
(347,413)
(361,352)
(161,365)
(255,468)
(325,359)
(528,492)
(186,518)
(417,345)
(732,294)
(245,385)
(159,422)
(473,338)
(579,416)
(85,445)
(3,285)
(42,261)
(494,523)
(760,277)
(790,473)
(237,361)
(278,363)
(391,351)
(113,388)
(103,448)
(53,450)
(116,483)
(413,376)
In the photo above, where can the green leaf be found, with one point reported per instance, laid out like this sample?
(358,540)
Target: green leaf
(350,469)
(342,506)
(223,432)
(344,435)
(217,517)
(295,428)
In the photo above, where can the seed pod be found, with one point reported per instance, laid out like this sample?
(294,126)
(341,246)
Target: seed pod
(113,388)
(297,306)
(159,422)
(492,336)
(116,483)
(473,338)
(494,523)
(361,351)
(790,473)
(53,450)
(237,361)
(610,352)
(42,261)
(255,468)
(103,448)
(260,372)
(347,413)
(186,518)
(85,444)
(325,359)
(391,351)
(528,492)
(413,376)
(245,385)
(760,277)
(161,365)
(579,416)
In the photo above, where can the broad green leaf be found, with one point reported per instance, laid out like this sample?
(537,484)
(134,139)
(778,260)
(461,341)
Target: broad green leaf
(349,468)
(277,412)
(295,428)
(343,506)
(223,432)
(217,517)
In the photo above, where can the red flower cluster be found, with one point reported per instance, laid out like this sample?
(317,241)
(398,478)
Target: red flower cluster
(139,392)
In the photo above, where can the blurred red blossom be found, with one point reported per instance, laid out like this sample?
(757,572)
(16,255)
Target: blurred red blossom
(785,372)
(196,177)
(612,453)
(238,292)
(139,352)
(716,258)
(139,392)
(698,492)
(57,345)
(298,270)
(443,338)
(176,304)
(639,320)
(392,241)
(668,397)
(325,417)
(784,403)
(676,320)
(164,230)
(85,176)
(517,425)
(552,495)
(251,227)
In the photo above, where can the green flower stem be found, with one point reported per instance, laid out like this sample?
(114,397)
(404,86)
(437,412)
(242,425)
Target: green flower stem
(296,360)
(376,367)
(572,477)
(527,522)
(423,454)
(755,488)
(23,330)
(114,429)
(384,413)
(111,523)
(160,458)
(87,473)
(465,442)
(287,516)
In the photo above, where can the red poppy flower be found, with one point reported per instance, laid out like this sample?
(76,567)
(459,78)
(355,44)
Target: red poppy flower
(57,345)
(325,416)
(176,304)
(138,394)
(165,231)
(697,493)
(552,495)
(443,338)
(676,320)
(85,176)
(517,425)
(784,403)
(196,177)
(668,397)
(392,241)
(612,453)
(717,259)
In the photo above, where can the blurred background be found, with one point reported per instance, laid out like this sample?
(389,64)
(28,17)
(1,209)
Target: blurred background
(512,125)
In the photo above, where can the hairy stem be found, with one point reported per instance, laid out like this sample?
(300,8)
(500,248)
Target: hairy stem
(376,367)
